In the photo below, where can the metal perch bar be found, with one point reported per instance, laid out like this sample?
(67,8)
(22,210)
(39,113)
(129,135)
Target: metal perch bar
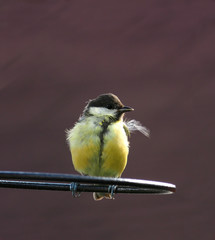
(84,183)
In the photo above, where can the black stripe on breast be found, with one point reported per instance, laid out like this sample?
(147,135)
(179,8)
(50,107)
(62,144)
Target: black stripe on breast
(105,125)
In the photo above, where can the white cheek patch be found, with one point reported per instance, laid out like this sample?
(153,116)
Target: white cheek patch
(101,111)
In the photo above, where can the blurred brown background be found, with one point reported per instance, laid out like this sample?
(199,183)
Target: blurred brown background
(158,57)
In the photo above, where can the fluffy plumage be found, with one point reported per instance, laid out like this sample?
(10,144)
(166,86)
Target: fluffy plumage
(99,140)
(134,125)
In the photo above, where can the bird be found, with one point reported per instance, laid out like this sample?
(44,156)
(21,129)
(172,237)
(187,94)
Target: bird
(99,140)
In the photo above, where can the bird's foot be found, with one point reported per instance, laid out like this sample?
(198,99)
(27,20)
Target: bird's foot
(111,191)
(73,189)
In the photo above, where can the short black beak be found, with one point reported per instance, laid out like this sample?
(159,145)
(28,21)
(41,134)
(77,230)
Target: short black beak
(126,109)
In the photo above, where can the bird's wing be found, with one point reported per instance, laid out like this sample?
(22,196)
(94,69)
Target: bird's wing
(126,130)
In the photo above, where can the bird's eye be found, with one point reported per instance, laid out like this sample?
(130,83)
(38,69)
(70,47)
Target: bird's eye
(109,106)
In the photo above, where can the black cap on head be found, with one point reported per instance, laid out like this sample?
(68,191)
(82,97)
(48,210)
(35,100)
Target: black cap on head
(108,100)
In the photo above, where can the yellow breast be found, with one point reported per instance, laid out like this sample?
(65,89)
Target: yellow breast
(85,145)
(115,150)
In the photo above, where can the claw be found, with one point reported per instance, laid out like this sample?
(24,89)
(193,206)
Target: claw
(112,191)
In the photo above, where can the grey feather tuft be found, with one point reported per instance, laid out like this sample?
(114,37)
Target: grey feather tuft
(134,125)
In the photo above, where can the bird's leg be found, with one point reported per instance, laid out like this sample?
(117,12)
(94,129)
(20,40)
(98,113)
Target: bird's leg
(73,189)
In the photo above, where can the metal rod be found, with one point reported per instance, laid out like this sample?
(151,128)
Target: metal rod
(80,187)
(128,182)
